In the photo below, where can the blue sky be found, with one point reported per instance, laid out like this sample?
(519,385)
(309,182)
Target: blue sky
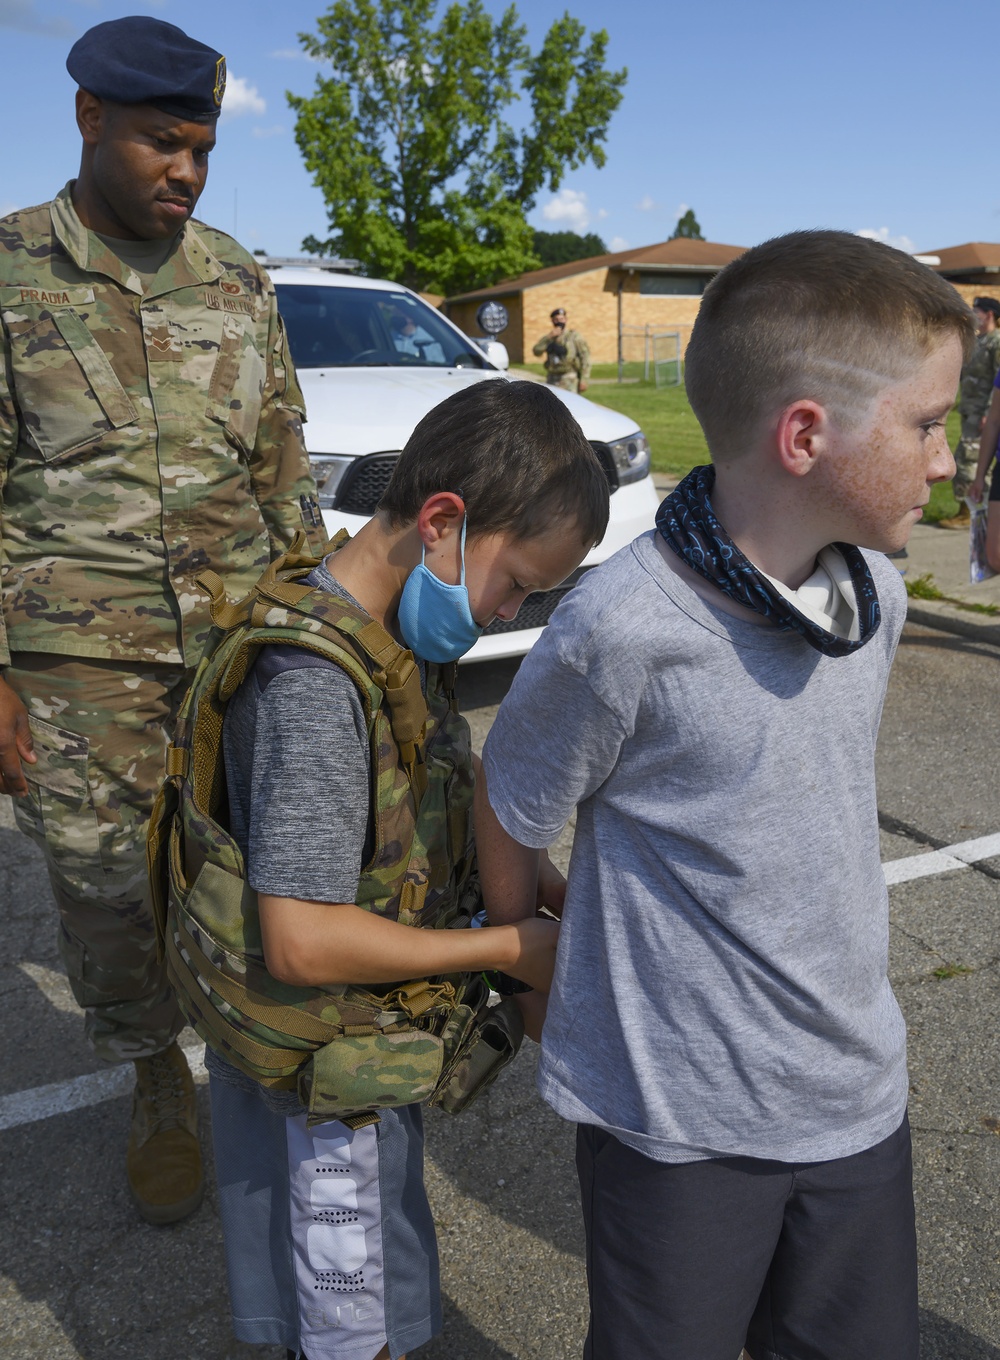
(868,115)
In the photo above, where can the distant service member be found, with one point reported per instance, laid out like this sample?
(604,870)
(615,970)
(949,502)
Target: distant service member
(975,391)
(150,427)
(567,355)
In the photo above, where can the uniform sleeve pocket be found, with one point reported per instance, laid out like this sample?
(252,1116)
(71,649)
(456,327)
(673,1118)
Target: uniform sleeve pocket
(67,391)
(236,390)
(62,761)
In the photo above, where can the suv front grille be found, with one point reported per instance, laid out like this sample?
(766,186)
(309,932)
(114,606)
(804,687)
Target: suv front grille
(364,483)
(537,608)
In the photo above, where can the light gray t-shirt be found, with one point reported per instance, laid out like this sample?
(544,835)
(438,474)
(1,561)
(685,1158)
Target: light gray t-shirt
(721,981)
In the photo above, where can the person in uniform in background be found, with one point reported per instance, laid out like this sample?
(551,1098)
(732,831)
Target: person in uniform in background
(150,428)
(973,403)
(567,355)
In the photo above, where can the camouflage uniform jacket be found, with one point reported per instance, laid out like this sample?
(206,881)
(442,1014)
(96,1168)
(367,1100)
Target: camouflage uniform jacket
(978,375)
(577,359)
(144,436)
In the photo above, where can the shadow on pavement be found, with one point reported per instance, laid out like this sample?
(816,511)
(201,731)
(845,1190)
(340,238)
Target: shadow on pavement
(944,1340)
(461,1339)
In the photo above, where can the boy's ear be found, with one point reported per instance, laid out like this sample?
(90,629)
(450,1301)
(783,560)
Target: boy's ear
(440,515)
(802,431)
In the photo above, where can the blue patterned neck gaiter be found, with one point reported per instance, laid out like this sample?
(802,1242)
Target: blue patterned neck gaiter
(687,524)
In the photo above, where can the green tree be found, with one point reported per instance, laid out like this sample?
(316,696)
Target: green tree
(687,227)
(560,247)
(425,180)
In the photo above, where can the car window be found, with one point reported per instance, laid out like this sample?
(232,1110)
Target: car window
(369,328)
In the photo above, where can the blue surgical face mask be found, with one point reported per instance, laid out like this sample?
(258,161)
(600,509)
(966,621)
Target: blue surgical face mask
(435,619)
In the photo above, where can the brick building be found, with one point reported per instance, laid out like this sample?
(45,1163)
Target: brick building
(659,285)
(973,268)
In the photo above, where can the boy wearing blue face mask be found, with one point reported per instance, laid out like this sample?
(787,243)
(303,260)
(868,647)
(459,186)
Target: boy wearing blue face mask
(329,1239)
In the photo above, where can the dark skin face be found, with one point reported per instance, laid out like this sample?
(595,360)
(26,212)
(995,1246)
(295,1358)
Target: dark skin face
(142,171)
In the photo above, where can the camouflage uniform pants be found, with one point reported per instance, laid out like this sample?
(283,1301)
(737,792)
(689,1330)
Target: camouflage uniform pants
(100,730)
(569,381)
(966,455)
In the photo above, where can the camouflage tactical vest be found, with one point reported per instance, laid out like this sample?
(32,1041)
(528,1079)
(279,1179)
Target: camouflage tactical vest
(348,1050)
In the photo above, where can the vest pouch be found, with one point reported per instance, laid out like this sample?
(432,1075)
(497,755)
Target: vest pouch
(494,1040)
(360,1072)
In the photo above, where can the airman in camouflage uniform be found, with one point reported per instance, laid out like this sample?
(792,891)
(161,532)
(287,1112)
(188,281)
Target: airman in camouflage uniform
(974,398)
(567,355)
(150,427)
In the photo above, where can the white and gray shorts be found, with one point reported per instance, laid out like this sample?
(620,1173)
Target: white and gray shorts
(330,1247)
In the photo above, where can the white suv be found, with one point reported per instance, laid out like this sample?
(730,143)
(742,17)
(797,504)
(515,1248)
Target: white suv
(373,359)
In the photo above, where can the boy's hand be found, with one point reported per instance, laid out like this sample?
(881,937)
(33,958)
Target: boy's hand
(551,886)
(533,1006)
(535,959)
(975,491)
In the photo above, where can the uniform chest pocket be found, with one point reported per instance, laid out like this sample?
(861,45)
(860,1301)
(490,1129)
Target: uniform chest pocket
(67,391)
(237,386)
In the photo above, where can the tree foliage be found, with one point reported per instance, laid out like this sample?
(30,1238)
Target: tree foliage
(687,227)
(560,247)
(425,180)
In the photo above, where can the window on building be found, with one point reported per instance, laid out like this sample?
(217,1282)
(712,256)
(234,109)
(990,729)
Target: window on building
(675,285)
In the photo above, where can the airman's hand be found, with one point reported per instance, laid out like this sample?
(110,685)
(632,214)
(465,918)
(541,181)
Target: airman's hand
(15,743)
(582,386)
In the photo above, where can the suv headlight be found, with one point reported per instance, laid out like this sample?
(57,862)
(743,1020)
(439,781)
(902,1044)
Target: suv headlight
(328,470)
(631,457)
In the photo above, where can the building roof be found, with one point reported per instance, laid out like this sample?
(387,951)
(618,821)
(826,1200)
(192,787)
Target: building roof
(975,257)
(681,253)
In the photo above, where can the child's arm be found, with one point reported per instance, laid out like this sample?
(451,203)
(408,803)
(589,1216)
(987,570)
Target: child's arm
(508,871)
(312,944)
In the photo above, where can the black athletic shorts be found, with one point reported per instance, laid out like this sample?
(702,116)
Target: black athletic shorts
(994,477)
(815,1261)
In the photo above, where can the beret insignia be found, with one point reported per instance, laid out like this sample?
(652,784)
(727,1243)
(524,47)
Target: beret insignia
(220,82)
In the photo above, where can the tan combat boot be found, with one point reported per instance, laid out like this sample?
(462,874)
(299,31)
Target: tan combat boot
(163,1161)
(960,521)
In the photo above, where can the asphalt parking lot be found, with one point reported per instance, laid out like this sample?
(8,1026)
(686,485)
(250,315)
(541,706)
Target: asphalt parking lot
(82,1278)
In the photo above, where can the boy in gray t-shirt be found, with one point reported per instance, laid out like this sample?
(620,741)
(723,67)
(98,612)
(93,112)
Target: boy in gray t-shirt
(721,1026)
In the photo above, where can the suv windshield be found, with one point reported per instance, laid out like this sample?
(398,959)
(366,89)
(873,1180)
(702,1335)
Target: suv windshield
(369,328)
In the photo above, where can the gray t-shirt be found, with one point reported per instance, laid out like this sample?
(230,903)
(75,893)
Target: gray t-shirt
(298,771)
(721,981)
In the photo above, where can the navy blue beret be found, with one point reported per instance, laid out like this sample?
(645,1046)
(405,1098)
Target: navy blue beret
(146,61)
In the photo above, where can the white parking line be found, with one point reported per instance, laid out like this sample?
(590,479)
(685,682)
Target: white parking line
(43,1102)
(943,861)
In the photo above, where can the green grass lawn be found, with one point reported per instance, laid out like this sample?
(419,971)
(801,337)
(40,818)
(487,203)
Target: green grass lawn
(675,437)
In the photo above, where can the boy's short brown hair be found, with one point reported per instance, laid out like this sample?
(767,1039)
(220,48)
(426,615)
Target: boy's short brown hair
(515,455)
(823,315)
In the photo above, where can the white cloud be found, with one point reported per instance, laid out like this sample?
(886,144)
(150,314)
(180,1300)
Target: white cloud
(900,242)
(647,204)
(23,16)
(275,131)
(617,243)
(241,97)
(7,208)
(569,209)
